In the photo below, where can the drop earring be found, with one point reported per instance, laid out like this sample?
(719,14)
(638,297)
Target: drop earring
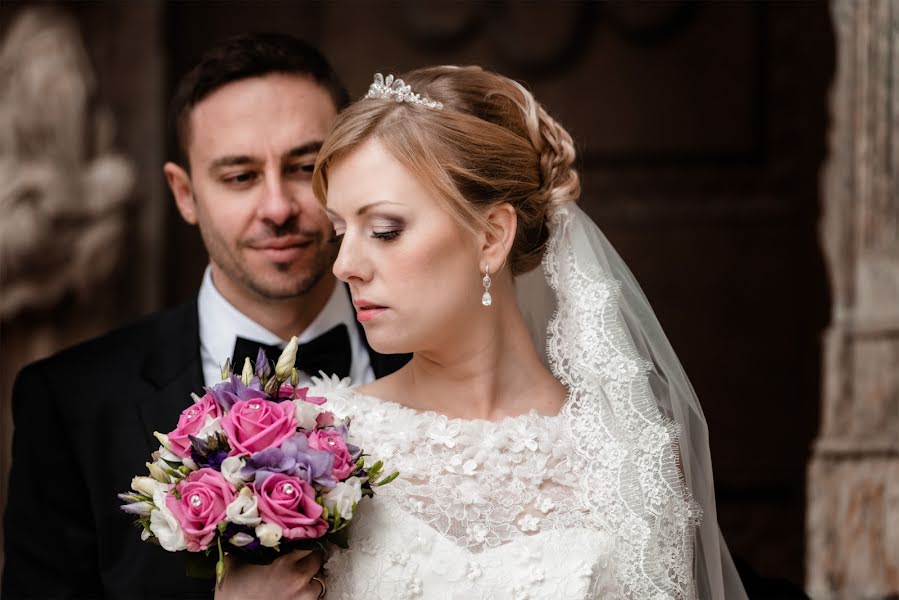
(486,299)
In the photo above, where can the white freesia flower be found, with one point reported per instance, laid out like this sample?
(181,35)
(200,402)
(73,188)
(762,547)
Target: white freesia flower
(269,534)
(306,413)
(231,467)
(344,496)
(190,464)
(241,539)
(165,526)
(244,510)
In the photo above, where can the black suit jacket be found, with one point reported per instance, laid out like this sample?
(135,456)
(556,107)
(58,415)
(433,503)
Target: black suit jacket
(84,422)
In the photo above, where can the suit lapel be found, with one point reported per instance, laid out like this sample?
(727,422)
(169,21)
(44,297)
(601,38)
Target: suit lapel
(171,369)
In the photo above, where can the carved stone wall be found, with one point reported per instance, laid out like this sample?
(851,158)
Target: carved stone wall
(81,121)
(853,481)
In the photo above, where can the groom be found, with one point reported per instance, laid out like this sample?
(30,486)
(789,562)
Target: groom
(249,118)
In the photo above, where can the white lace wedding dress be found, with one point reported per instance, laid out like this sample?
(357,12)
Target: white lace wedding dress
(482,510)
(613,498)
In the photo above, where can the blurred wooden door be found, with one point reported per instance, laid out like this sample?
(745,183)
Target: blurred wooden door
(701,127)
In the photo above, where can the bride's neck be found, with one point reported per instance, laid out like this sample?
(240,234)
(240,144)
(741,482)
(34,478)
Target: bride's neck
(492,371)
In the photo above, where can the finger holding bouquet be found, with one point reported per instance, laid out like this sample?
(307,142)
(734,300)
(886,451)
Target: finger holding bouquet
(293,576)
(258,471)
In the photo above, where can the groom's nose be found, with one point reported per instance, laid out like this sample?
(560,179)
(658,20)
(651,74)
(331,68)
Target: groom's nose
(277,203)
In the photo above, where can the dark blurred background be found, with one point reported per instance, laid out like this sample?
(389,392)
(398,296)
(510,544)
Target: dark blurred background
(701,128)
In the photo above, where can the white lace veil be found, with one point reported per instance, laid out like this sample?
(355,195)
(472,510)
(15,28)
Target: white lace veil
(632,414)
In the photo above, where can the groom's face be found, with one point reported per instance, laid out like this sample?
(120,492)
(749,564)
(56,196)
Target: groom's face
(252,146)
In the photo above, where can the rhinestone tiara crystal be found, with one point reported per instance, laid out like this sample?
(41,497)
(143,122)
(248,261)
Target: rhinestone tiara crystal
(396,89)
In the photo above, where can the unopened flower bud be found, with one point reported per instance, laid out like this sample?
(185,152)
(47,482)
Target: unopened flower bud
(226,370)
(163,440)
(144,485)
(157,473)
(247,375)
(294,377)
(287,359)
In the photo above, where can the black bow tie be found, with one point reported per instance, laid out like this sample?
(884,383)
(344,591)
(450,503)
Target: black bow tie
(330,352)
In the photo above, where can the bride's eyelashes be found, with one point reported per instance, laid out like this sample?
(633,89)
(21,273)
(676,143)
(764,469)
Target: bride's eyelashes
(387,236)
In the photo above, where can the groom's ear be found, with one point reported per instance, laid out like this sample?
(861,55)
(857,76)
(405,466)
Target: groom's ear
(182,190)
(502,222)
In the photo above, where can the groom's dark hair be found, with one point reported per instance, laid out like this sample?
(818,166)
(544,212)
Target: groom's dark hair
(244,56)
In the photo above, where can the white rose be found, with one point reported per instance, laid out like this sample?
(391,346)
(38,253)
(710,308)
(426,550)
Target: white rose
(165,526)
(241,539)
(244,510)
(231,467)
(269,534)
(306,413)
(344,497)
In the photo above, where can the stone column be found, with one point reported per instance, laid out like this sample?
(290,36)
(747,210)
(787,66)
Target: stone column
(853,479)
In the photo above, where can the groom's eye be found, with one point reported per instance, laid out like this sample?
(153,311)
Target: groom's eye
(303,169)
(240,179)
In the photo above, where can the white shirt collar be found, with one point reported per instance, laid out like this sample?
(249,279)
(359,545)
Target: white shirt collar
(221,323)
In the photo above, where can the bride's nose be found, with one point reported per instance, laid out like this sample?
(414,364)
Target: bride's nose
(351,263)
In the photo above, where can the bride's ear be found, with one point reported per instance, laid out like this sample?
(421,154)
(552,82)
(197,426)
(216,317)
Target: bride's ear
(182,190)
(502,222)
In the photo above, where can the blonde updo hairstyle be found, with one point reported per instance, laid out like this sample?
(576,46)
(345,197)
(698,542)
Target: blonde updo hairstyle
(491,143)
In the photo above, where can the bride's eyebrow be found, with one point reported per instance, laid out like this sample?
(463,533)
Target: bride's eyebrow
(361,211)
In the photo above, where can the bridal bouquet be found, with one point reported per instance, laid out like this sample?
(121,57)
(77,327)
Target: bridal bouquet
(254,468)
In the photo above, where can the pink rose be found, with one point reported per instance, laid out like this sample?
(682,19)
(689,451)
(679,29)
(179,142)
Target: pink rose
(191,421)
(257,424)
(289,502)
(301,394)
(332,442)
(289,392)
(205,495)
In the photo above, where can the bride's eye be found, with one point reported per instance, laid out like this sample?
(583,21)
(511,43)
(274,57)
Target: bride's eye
(336,239)
(386,235)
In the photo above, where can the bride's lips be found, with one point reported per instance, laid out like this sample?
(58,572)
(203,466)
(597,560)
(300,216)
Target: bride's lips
(366,310)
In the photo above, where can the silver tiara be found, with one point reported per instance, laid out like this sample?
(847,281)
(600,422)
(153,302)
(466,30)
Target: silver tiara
(396,89)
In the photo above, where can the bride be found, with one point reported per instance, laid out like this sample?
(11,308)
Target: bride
(549,443)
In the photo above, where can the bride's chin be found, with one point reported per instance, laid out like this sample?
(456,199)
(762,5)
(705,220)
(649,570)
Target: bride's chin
(384,344)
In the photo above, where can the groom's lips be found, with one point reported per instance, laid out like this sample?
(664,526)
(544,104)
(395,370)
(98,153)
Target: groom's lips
(284,249)
(366,310)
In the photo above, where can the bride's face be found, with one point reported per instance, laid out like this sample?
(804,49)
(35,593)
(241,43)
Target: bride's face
(412,268)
